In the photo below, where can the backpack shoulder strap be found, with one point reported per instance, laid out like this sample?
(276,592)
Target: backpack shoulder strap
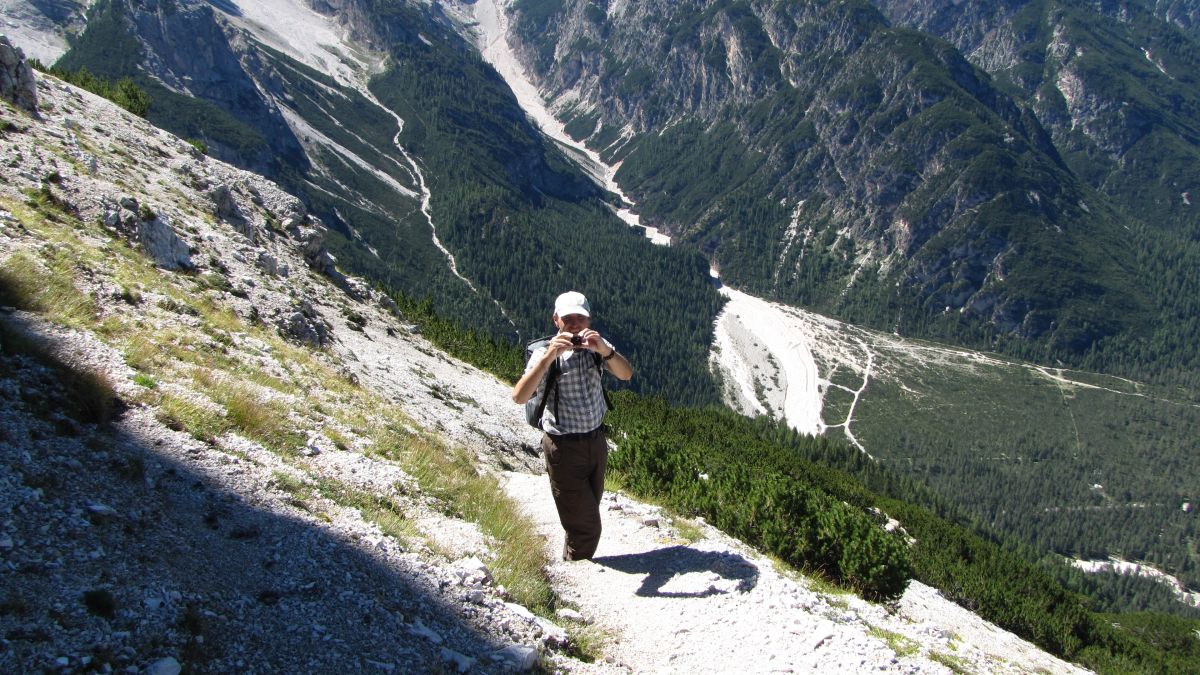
(551,380)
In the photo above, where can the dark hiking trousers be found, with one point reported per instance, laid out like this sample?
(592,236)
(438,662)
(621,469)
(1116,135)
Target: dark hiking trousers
(576,464)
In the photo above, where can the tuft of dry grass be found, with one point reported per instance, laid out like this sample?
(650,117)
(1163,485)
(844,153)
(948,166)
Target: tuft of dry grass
(954,663)
(451,475)
(250,412)
(385,512)
(588,642)
(202,422)
(901,645)
(687,530)
(25,283)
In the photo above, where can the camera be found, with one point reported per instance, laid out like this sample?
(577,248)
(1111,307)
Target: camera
(576,340)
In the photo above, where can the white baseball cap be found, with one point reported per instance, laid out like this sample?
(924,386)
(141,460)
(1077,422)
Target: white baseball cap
(572,302)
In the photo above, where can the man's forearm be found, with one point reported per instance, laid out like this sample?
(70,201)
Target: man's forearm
(525,387)
(618,365)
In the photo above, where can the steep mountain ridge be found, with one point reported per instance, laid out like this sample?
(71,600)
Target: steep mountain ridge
(1114,85)
(813,152)
(399,136)
(820,156)
(1183,13)
(263,110)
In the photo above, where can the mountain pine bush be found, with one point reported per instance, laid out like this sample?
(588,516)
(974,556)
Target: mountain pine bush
(799,523)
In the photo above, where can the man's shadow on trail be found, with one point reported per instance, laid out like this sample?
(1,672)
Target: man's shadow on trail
(664,564)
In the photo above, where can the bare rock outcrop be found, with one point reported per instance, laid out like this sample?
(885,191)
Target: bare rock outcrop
(305,325)
(16,77)
(151,232)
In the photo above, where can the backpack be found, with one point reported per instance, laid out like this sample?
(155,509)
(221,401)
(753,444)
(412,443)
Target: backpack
(536,405)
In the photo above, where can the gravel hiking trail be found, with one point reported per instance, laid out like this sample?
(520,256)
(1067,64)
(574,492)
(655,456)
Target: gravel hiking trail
(712,605)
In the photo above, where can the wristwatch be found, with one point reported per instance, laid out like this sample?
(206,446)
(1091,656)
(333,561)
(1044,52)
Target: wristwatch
(610,355)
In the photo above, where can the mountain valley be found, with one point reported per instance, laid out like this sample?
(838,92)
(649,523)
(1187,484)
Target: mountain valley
(221,453)
(980,215)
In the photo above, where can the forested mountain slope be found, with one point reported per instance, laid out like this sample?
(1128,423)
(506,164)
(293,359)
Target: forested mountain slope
(1072,464)
(822,156)
(391,127)
(1064,468)
(812,151)
(1183,13)
(1117,88)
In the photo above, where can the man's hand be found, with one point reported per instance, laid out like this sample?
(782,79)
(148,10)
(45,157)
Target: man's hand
(560,343)
(593,342)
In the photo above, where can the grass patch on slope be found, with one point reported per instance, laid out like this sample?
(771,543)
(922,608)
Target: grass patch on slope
(46,287)
(384,511)
(451,475)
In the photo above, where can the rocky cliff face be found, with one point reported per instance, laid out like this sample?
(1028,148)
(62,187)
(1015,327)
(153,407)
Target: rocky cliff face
(16,77)
(186,50)
(822,156)
(1182,13)
(43,26)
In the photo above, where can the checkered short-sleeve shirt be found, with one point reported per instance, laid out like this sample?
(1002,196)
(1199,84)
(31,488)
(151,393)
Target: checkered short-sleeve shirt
(578,394)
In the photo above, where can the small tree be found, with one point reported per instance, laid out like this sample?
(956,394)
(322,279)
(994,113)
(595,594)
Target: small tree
(131,97)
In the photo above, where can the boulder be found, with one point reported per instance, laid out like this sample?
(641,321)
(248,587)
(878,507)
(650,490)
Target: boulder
(16,77)
(304,325)
(270,265)
(517,657)
(311,241)
(162,245)
(224,205)
(150,232)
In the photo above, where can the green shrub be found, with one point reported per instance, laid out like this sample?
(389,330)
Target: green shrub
(800,523)
(124,92)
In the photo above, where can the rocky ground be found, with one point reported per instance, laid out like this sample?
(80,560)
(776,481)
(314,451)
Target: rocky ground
(155,532)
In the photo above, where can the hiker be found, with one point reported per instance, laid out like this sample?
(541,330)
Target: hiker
(572,404)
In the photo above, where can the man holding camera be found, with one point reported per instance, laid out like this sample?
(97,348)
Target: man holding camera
(574,441)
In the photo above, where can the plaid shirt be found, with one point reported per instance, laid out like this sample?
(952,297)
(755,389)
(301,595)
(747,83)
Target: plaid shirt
(577,404)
